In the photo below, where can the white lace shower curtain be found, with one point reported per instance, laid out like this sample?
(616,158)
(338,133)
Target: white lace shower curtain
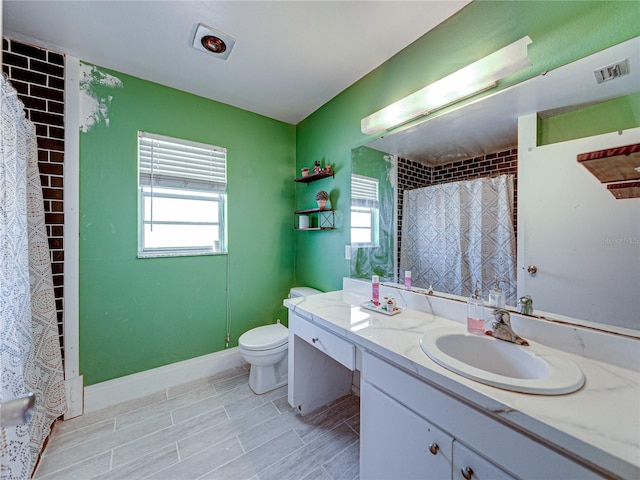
(30,358)
(455,234)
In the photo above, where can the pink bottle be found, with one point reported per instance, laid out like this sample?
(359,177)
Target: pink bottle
(475,313)
(375,285)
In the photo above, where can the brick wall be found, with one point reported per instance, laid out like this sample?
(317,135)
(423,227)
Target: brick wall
(414,175)
(410,175)
(38,76)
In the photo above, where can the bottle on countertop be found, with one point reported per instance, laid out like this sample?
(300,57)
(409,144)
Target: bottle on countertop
(496,296)
(475,313)
(407,280)
(375,290)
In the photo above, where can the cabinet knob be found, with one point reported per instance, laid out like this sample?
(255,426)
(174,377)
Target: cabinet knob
(433,448)
(314,340)
(467,473)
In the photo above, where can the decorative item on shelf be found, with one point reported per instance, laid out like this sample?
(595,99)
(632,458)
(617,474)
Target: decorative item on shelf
(316,167)
(305,172)
(327,169)
(322,197)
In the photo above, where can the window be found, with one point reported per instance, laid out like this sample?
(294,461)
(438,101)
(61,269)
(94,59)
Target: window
(182,197)
(364,211)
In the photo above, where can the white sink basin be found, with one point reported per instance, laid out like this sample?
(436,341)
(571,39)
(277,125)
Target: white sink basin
(533,369)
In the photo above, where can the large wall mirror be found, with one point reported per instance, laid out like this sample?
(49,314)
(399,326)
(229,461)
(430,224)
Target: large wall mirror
(576,246)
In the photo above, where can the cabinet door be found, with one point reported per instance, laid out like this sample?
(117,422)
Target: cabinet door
(395,443)
(469,465)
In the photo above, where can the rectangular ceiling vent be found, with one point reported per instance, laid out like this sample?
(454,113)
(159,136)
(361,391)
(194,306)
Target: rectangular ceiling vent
(611,72)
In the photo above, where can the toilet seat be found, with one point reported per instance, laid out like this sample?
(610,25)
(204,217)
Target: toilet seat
(266,337)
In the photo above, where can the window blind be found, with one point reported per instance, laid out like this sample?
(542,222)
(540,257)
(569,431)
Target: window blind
(164,162)
(364,191)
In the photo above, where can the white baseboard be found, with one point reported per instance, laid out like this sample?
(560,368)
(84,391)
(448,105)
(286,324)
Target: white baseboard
(137,385)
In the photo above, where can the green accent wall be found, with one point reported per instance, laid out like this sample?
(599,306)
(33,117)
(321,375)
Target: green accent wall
(562,32)
(137,314)
(615,115)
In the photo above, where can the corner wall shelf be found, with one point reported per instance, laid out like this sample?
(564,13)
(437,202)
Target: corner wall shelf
(319,219)
(314,176)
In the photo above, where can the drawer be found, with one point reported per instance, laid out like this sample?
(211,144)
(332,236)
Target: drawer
(339,349)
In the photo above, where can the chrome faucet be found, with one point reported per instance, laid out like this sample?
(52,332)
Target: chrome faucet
(501,328)
(525,305)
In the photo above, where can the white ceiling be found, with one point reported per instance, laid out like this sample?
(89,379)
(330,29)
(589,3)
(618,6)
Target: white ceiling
(290,57)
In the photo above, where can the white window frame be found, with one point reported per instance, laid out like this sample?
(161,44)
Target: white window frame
(365,199)
(180,169)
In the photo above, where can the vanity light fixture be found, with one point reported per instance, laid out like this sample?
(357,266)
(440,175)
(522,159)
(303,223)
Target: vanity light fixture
(212,41)
(474,78)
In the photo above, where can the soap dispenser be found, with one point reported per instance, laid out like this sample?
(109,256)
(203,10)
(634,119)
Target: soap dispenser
(475,313)
(496,296)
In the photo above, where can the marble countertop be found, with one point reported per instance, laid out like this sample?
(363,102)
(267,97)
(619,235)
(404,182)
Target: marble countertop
(600,423)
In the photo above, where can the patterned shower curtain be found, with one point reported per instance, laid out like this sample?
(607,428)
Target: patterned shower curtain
(455,234)
(30,358)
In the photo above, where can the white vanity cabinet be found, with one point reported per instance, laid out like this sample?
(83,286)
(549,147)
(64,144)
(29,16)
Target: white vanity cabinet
(402,417)
(321,364)
(469,465)
(397,443)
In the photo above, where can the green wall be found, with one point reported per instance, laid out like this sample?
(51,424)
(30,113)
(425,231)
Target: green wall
(137,314)
(618,114)
(562,32)
(377,260)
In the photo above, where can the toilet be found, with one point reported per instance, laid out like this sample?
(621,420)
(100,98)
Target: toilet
(265,349)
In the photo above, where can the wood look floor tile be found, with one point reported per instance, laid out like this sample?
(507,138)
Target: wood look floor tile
(256,460)
(315,425)
(197,442)
(174,403)
(73,424)
(345,465)
(207,460)
(282,404)
(231,383)
(86,434)
(172,434)
(317,474)
(83,451)
(213,428)
(269,429)
(144,466)
(313,455)
(87,468)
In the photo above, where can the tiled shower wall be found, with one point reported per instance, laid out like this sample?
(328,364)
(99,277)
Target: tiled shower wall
(415,175)
(38,76)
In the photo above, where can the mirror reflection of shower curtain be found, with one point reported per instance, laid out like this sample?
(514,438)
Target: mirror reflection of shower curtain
(30,358)
(455,234)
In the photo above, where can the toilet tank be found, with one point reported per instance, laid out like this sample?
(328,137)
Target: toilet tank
(302,292)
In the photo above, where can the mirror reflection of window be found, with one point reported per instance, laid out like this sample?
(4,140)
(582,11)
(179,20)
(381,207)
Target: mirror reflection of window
(364,211)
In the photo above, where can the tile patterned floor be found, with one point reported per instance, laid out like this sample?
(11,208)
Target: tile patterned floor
(210,429)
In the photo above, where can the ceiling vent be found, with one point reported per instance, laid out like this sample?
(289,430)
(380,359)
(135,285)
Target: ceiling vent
(213,42)
(611,72)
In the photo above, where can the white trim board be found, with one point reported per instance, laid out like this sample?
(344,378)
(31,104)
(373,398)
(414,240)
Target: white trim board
(71,300)
(112,392)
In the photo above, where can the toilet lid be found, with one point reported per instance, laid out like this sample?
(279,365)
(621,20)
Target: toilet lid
(264,338)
